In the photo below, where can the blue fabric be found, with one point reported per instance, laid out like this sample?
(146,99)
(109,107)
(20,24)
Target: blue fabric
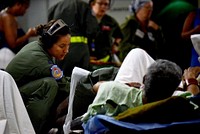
(2,40)
(194,56)
(101,124)
(94,125)
(197,18)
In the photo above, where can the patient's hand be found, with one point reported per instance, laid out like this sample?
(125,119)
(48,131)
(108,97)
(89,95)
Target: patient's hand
(96,86)
(191,72)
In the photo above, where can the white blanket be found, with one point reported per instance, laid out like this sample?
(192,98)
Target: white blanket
(6,55)
(134,66)
(14,118)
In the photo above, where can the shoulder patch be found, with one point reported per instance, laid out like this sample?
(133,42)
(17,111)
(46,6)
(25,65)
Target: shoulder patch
(56,72)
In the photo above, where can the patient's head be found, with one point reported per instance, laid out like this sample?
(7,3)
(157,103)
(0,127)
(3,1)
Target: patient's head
(161,80)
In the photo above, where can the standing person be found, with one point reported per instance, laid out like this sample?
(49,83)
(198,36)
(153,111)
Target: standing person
(192,26)
(106,42)
(77,14)
(141,31)
(40,81)
(12,36)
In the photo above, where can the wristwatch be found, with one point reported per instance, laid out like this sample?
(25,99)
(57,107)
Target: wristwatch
(191,81)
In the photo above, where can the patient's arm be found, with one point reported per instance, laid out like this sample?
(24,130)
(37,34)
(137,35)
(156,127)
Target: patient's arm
(96,86)
(191,74)
(131,84)
(134,84)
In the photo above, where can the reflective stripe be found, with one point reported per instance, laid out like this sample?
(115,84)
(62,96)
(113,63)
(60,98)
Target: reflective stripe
(105,59)
(78,39)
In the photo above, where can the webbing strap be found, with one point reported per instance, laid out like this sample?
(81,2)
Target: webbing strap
(78,39)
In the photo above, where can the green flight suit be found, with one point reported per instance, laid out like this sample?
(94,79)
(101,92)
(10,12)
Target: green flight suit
(151,41)
(32,70)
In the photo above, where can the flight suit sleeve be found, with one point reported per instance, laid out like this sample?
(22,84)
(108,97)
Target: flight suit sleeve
(51,12)
(41,67)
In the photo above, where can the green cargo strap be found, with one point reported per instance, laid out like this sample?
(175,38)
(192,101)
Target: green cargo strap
(78,39)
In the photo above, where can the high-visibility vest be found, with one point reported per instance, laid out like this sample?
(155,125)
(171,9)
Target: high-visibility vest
(79,39)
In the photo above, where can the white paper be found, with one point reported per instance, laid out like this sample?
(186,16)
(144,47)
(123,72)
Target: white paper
(77,75)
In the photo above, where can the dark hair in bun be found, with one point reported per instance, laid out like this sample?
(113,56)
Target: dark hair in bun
(51,32)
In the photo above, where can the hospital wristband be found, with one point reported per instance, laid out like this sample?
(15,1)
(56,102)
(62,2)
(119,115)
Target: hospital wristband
(191,81)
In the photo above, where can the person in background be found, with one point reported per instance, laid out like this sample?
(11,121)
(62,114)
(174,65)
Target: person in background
(40,81)
(12,36)
(192,26)
(77,14)
(104,46)
(141,31)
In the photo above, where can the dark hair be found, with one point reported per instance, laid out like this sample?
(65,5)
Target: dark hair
(161,80)
(47,38)
(90,1)
(10,3)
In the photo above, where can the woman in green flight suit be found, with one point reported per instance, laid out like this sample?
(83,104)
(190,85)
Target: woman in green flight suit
(40,80)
